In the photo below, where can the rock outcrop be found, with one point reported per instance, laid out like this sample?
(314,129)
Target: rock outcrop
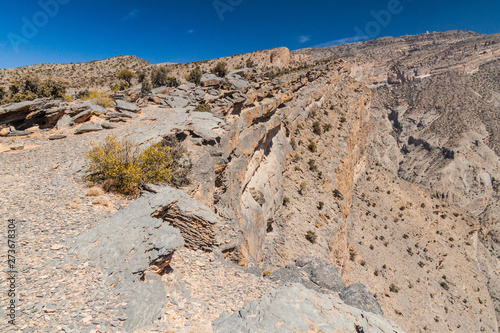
(294,308)
(135,247)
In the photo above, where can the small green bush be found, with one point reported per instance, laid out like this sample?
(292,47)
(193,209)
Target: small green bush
(159,76)
(250,63)
(311,236)
(317,127)
(145,88)
(220,69)
(312,146)
(312,165)
(327,127)
(172,82)
(125,75)
(195,76)
(393,288)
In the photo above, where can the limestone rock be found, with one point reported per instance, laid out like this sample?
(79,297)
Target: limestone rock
(297,309)
(210,80)
(90,127)
(142,239)
(314,273)
(65,121)
(126,106)
(57,137)
(358,296)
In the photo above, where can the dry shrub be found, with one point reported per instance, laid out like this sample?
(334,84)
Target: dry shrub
(99,98)
(121,167)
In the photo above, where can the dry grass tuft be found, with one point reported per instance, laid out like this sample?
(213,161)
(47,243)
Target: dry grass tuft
(104,202)
(94,192)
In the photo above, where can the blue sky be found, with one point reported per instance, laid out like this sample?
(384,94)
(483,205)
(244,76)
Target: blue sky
(47,31)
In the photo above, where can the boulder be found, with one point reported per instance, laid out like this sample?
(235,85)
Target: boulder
(128,114)
(19,133)
(106,125)
(294,308)
(314,273)
(210,80)
(16,112)
(358,296)
(126,106)
(237,82)
(90,127)
(57,137)
(82,117)
(65,121)
(323,274)
(177,102)
(187,86)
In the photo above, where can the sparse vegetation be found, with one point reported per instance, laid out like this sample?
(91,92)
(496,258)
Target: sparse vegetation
(393,288)
(311,236)
(312,146)
(31,87)
(312,165)
(121,167)
(99,98)
(445,285)
(317,127)
(249,63)
(203,107)
(195,76)
(303,186)
(126,75)
(220,69)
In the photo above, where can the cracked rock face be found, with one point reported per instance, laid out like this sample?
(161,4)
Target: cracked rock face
(294,308)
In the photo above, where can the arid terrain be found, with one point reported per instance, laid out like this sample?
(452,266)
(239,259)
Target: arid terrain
(353,188)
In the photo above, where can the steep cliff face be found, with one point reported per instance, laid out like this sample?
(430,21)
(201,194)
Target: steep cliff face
(326,155)
(429,194)
(252,149)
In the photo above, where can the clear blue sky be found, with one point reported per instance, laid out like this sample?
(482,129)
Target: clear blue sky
(190,30)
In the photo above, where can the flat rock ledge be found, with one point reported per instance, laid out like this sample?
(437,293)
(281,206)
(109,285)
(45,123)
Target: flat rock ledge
(294,308)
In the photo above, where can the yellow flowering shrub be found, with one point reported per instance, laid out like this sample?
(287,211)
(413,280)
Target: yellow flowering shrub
(122,167)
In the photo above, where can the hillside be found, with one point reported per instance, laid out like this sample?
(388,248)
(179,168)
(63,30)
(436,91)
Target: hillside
(352,188)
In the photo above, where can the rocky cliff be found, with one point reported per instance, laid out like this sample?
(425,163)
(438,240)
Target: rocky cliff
(356,193)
